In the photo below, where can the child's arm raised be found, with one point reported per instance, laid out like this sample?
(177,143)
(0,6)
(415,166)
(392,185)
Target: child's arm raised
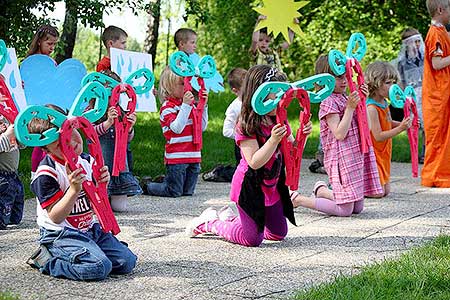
(380,135)
(255,36)
(257,157)
(62,208)
(340,127)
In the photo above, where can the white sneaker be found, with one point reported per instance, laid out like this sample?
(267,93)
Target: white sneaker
(206,216)
(226,214)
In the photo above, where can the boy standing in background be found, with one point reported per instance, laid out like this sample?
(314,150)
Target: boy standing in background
(112,37)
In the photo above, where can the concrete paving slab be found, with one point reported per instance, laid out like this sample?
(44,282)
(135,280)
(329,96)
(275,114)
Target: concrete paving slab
(173,266)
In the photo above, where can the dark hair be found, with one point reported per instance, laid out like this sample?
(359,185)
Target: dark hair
(250,121)
(409,32)
(42,34)
(182,35)
(112,33)
(322,65)
(236,77)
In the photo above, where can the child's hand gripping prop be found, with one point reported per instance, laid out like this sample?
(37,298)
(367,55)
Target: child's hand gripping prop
(407,100)
(132,87)
(122,125)
(183,66)
(349,64)
(81,118)
(284,94)
(8,108)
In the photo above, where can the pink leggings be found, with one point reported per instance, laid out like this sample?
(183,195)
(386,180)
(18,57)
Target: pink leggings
(340,210)
(243,230)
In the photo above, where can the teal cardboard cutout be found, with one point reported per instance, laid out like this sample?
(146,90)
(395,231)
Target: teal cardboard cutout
(261,105)
(93,90)
(132,80)
(356,49)
(215,83)
(325,81)
(3,54)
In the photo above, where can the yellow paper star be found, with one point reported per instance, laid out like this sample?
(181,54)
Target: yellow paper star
(280,17)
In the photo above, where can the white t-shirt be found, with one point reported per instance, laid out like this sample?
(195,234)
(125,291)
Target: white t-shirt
(50,183)
(231,116)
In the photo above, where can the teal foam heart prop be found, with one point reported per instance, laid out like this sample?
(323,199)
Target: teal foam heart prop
(44,82)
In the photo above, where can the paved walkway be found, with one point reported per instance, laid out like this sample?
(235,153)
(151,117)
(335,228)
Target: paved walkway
(172,266)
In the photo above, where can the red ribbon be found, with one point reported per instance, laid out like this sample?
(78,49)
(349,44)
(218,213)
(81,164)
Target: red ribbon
(8,108)
(197,111)
(352,65)
(292,152)
(95,191)
(413,134)
(121,125)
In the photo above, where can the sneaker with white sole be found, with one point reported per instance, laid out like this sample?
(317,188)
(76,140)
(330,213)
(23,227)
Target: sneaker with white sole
(226,214)
(199,225)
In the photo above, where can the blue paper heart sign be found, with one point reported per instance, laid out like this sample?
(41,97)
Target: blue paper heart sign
(45,82)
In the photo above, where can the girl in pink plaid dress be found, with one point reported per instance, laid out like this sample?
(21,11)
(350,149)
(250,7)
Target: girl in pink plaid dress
(352,174)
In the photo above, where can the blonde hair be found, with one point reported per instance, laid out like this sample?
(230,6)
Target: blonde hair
(167,82)
(434,5)
(377,73)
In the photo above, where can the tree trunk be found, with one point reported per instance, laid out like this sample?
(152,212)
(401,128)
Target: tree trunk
(69,32)
(152,33)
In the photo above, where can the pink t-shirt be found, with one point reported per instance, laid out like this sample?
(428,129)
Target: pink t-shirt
(271,169)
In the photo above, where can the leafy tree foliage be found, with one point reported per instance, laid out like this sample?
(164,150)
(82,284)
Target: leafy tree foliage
(225,28)
(18,23)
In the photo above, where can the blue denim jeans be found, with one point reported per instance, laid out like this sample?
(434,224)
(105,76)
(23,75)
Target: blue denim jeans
(11,199)
(180,180)
(90,255)
(125,183)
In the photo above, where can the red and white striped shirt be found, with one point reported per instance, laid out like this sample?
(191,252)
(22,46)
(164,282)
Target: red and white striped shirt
(176,122)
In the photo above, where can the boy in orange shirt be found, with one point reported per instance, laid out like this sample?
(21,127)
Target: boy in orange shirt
(436,97)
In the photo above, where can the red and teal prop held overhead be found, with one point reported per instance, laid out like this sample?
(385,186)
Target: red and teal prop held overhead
(408,101)
(348,64)
(183,66)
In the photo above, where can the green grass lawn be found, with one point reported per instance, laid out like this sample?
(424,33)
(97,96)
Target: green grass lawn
(420,274)
(148,144)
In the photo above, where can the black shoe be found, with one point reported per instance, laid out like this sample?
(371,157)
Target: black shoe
(315,166)
(143,183)
(159,179)
(421,159)
(40,257)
